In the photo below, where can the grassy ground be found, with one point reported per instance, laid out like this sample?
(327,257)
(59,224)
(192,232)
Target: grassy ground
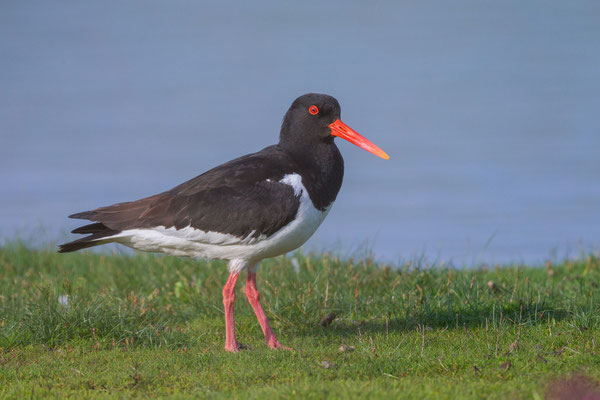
(90,325)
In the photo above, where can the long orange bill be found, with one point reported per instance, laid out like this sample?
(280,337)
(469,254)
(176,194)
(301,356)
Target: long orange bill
(340,129)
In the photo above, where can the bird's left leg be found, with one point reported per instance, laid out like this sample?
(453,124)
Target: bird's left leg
(254,300)
(231,344)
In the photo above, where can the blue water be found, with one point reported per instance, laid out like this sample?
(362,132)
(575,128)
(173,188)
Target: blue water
(489,111)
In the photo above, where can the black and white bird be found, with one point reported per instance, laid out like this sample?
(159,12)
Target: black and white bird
(254,207)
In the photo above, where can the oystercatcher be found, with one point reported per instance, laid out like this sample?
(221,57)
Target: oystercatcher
(254,207)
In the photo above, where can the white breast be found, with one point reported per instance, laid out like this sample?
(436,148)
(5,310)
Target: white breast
(197,243)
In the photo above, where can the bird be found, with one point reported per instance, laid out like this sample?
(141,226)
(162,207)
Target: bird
(254,207)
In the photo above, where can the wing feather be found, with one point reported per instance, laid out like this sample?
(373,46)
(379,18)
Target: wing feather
(242,198)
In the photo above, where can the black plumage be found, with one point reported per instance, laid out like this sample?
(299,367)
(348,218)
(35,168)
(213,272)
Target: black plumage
(242,197)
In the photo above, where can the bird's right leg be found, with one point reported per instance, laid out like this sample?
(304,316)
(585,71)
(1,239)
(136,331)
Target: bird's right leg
(254,300)
(228,301)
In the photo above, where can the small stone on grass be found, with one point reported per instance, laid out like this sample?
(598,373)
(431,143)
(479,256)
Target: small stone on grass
(328,365)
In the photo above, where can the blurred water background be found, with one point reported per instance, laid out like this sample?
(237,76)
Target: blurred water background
(490,112)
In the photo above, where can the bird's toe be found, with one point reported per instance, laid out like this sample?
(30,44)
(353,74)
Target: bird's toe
(235,347)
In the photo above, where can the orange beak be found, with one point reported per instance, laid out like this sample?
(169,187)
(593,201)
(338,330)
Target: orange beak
(340,129)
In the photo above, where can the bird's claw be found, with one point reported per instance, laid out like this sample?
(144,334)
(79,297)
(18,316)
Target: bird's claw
(278,346)
(235,347)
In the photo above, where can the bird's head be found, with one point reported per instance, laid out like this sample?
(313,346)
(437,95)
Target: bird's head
(315,117)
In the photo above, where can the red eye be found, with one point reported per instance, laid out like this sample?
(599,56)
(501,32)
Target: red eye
(313,110)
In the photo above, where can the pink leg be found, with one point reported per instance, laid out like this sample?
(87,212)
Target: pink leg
(228,301)
(254,300)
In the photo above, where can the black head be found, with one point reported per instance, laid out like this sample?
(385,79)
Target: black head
(313,120)
(308,119)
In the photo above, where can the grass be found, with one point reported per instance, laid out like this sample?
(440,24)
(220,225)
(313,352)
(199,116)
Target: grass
(105,326)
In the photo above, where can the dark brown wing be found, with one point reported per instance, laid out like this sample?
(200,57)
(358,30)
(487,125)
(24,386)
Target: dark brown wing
(242,197)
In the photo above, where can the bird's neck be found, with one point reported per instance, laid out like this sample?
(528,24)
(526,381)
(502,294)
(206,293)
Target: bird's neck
(322,169)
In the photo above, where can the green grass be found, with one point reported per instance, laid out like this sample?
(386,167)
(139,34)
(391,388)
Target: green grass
(150,326)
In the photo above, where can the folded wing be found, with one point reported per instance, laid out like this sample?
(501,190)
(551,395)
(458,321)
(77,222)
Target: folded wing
(243,198)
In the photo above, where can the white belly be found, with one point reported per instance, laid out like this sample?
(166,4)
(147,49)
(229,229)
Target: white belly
(197,243)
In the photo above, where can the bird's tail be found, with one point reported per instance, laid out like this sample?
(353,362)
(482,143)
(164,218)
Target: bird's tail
(99,234)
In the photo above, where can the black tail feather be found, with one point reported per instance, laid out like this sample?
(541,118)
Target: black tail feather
(97,227)
(79,244)
(97,230)
(88,241)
